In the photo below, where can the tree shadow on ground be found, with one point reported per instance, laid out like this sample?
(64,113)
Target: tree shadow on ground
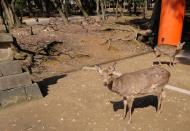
(141,23)
(184,61)
(141,102)
(45,83)
(112,13)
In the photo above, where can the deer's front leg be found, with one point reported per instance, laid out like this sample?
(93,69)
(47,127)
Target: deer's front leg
(173,61)
(157,59)
(130,104)
(125,107)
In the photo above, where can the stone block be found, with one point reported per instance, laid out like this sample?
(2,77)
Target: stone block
(10,67)
(14,81)
(33,92)
(6,38)
(6,52)
(12,96)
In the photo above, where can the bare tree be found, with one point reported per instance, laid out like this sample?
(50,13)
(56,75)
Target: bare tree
(17,22)
(60,10)
(3,19)
(119,4)
(79,4)
(102,9)
(98,7)
(145,9)
(8,13)
(44,9)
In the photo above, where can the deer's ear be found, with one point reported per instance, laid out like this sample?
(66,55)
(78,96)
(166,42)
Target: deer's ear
(180,46)
(113,66)
(183,43)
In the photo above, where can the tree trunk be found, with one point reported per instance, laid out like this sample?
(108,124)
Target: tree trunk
(8,13)
(44,9)
(116,10)
(102,9)
(105,4)
(16,19)
(145,9)
(3,19)
(65,8)
(121,7)
(135,8)
(61,12)
(129,6)
(79,4)
(31,13)
(98,7)
(155,19)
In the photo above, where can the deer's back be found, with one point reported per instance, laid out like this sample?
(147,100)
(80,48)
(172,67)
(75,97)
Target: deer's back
(147,81)
(167,49)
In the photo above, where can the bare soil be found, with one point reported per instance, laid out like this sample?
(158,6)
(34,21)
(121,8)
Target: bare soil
(81,42)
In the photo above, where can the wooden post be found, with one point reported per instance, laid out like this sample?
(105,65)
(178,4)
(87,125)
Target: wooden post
(171,22)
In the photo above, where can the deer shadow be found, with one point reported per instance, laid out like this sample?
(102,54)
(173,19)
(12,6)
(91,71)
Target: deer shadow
(141,102)
(45,83)
(163,63)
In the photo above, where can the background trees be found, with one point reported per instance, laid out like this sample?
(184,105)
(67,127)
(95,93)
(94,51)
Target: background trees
(12,11)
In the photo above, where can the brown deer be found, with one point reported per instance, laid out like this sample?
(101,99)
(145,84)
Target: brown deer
(169,51)
(150,81)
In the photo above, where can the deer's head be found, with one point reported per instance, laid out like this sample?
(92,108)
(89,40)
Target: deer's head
(108,73)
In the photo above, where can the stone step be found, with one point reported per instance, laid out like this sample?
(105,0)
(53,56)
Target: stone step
(12,96)
(10,68)
(20,94)
(33,92)
(14,81)
(6,38)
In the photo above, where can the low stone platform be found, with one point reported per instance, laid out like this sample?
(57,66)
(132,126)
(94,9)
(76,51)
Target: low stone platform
(6,51)
(15,85)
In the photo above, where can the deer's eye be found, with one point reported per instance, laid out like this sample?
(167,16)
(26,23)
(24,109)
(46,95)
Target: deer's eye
(110,74)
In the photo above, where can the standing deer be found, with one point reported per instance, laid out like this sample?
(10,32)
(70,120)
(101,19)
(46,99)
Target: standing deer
(169,51)
(150,81)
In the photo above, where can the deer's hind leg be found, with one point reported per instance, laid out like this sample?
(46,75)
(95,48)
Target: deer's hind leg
(160,99)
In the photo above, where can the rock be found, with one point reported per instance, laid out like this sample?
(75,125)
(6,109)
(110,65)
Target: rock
(6,38)
(10,68)
(12,96)
(14,81)
(33,92)
(19,56)
(6,41)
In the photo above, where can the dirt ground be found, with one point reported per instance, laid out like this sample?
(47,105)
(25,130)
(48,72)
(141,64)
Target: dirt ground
(78,101)
(81,42)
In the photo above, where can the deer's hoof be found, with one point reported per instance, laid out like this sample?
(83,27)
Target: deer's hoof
(159,111)
(129,122)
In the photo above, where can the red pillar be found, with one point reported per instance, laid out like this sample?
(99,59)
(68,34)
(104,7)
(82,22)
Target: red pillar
(171,22)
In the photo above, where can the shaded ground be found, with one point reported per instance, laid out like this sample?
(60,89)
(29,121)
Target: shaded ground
(79,101)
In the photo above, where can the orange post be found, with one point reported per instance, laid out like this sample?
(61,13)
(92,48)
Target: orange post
(171,22)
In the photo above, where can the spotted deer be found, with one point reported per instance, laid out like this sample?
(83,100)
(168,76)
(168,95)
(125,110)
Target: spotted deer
(141,83)
(169,51)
